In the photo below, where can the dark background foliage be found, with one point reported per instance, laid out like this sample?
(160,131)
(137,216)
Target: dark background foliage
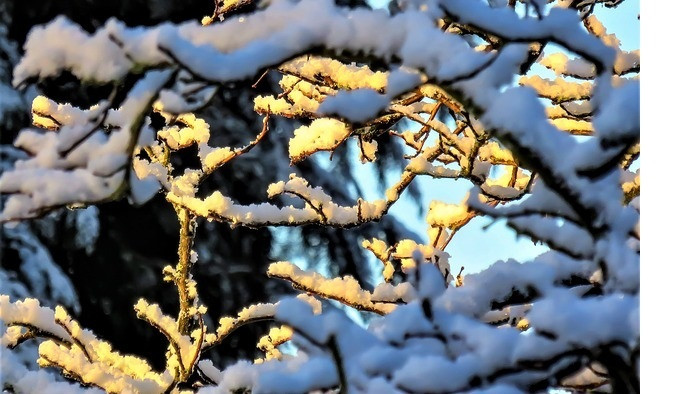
(135,243)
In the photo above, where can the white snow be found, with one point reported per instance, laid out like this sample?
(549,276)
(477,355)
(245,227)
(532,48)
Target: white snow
(430,335)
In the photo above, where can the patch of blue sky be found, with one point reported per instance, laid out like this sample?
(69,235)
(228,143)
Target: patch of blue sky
(484,241)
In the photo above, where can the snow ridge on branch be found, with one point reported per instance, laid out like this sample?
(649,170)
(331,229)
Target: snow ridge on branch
(439,77)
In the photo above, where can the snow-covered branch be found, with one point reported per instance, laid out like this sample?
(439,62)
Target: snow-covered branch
(450,80)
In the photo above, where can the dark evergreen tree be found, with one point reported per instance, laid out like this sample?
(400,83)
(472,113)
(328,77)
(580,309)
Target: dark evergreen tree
(113,255)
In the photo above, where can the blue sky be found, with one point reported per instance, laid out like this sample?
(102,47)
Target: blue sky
(474,247)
